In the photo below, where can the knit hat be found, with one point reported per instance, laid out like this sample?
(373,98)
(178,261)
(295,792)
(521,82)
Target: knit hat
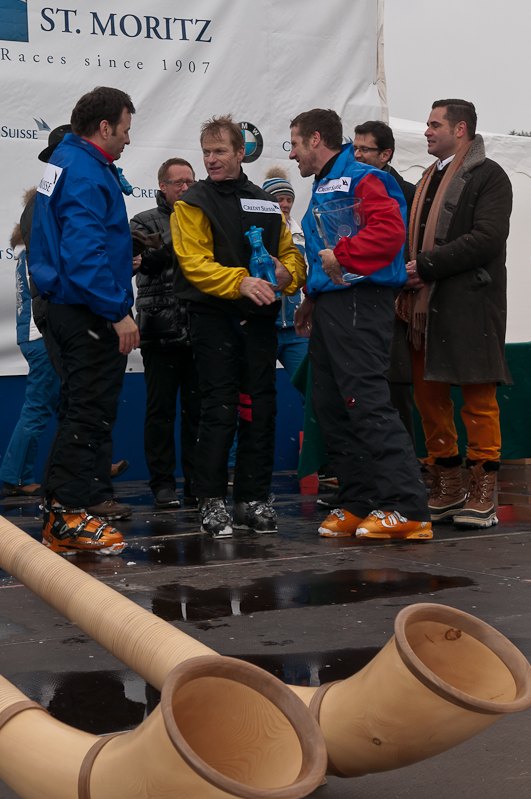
(277,182)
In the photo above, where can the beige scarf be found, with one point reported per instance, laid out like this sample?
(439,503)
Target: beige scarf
(419,299)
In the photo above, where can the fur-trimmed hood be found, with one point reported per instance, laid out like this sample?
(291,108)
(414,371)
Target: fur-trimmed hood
(16,236)
(28,194)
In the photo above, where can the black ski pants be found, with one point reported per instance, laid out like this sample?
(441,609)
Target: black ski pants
(236,365)
(168,369)
(367,444)
(78,468)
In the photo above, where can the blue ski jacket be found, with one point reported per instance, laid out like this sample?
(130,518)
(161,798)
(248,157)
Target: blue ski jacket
(81,248)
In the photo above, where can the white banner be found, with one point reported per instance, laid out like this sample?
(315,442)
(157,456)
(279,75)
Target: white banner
(264,61)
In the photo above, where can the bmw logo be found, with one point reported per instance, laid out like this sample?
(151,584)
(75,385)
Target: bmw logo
(254,143)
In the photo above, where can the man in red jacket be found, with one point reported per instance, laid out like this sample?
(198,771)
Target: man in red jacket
(350,312)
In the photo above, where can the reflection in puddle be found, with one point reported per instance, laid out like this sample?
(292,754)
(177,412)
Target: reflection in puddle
(102,702)
(176,602)
(314,668)
(98,702)
(200,550)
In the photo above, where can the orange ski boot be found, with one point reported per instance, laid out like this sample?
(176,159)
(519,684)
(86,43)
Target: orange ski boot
(339,523)
(70,530)
(391,524)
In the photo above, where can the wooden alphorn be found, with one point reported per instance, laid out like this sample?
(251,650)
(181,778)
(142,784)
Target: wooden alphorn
(443,677)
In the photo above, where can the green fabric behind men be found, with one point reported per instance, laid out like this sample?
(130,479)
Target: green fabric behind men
(514,402)
(313,454)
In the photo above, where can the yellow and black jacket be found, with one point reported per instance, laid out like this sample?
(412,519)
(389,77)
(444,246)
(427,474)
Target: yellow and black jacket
(208,230)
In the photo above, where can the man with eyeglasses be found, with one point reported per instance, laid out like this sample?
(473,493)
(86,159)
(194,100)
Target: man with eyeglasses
(165,345)
(374,144)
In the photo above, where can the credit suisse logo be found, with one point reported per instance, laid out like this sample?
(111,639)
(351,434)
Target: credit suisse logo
(38,130)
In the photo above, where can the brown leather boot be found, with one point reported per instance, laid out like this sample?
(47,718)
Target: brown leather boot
(479,510)
(446,494)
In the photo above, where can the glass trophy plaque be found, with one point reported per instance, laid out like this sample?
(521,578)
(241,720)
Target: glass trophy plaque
(337,219)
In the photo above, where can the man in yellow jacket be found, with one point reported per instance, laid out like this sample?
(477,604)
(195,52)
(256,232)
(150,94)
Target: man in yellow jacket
(232,324)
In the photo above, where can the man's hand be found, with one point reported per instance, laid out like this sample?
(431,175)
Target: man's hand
(128,334)
(303,318)
(258,290)
(137,261)
(282,275)
(414,281)
(332,267)
(142,242)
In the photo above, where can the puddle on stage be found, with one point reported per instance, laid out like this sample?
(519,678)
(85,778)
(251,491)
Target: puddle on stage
(174,602)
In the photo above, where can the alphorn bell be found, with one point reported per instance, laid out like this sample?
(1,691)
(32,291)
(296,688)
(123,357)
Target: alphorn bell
(223,728)
(442,678)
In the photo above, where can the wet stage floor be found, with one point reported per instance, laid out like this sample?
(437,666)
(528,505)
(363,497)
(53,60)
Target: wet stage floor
(309,610)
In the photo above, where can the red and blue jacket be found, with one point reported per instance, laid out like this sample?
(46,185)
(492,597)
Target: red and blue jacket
(376,252)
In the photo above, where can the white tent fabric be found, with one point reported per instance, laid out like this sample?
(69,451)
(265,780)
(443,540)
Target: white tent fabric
(513,153)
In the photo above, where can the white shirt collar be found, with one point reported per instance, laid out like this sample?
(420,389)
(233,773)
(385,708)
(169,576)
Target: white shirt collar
(442,164)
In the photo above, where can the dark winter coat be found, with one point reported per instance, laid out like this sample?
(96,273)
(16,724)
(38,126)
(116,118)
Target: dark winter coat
(465,335)
(161,318)
(408,189)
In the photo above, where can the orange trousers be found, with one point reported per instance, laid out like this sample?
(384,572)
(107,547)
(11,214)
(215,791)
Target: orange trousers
(480,414)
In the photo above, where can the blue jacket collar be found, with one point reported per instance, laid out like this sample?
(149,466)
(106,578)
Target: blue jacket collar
(338,167)
(76,141)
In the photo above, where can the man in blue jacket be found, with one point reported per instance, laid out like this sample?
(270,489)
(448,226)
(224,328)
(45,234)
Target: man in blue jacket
(81,261)
(349,310)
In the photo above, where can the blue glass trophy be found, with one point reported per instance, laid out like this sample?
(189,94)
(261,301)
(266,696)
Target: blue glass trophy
(261,263)
(337,219)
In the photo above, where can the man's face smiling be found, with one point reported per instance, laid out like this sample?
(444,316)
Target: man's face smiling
(303,153)
(442,139)
(176,173)
(119,137)
(222,161)
(374,156)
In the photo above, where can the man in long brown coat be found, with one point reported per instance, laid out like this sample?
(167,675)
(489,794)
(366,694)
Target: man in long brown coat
(455,306)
